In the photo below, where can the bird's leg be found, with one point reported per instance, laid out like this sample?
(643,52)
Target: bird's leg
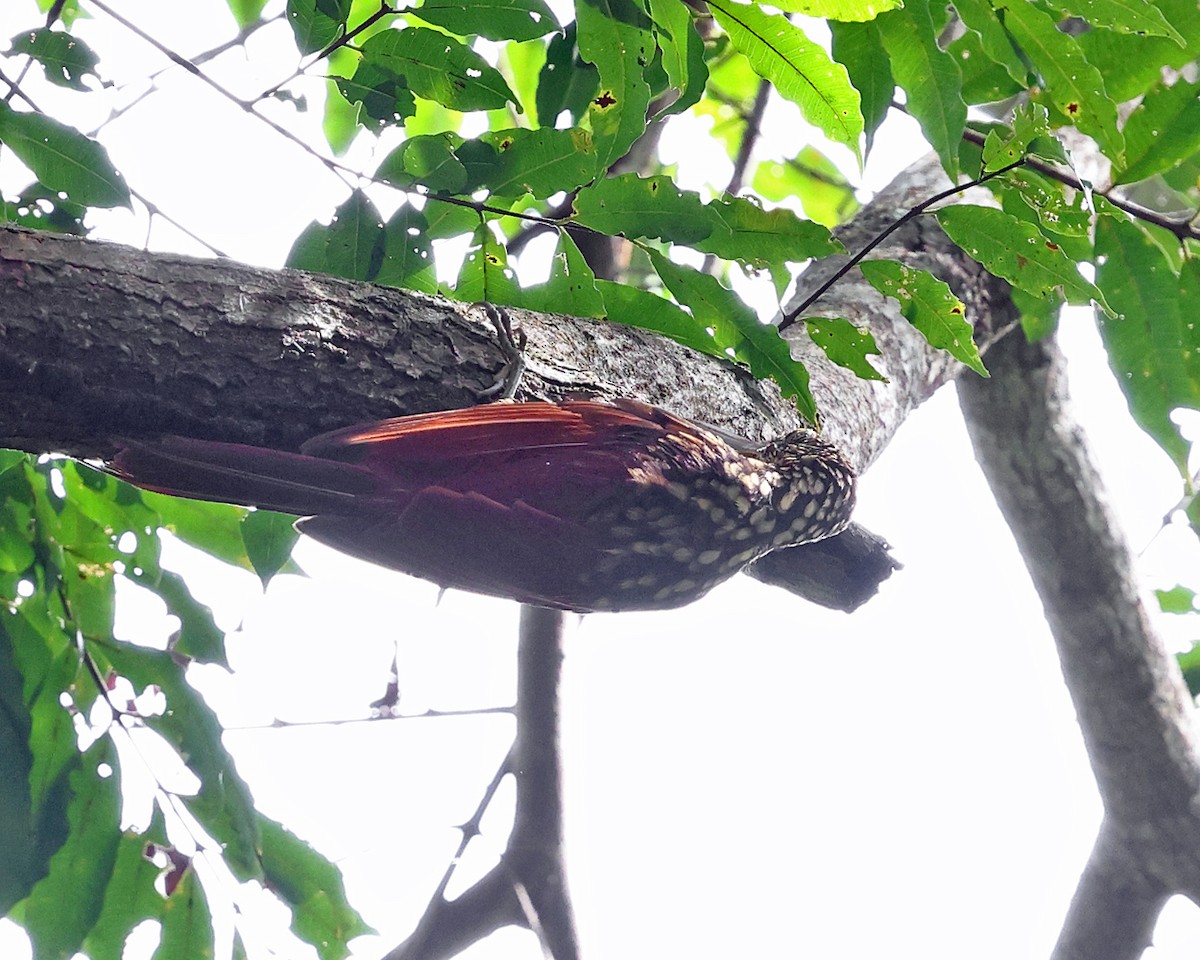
(512,345)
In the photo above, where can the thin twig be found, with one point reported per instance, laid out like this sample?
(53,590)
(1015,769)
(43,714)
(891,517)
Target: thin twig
(794,314)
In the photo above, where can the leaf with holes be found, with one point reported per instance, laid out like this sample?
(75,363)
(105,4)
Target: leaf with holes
(1074,86)
(408,257)
(1018,252)
(618,37)
(321,914)
(63,159)
(845,344)
(439,68)
(1030,121)
(485,273)
(571,287)
(66,59)
(929,305)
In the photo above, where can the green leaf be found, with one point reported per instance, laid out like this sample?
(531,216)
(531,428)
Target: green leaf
(66,59)
(408,261)
(1123,16)
(1152,348)
(858,47)
(732,228)
(839,9)
(313,886)
(187,929)
(1189,664)
(1131,64)
(1039,317)
(199,638)
(648,311)
(493,19)
(246,12)
(644,207)
(983,80)
(317,23)
(1030,121)
(761,238)
(1017,252)
(485,273)
(571,287)
(439,68)
(130,897)
(616,36)
(448,220)
(994,41)
(565,82)
(736,332)
(340,120)
(63,158)
(352,246)
(929,76)
(40,208)
(223,805)
(63,907)
(682,52)
(1162,132)
(1045,198)
(1074,86)
(539,162)
(813,179)
(355,242)
(1179,599)
(215,528)
(799,69)
(929,305)
(37,754)
(522,64)
(380,94)
(68,12)
(428,160)
(845,344)
(269,539)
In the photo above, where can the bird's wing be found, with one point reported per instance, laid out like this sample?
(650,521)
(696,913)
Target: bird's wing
(495,428)
(468,541)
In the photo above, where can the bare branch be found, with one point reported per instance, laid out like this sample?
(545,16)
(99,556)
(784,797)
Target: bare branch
(528,887)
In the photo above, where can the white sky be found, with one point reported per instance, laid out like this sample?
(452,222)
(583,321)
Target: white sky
(906,780)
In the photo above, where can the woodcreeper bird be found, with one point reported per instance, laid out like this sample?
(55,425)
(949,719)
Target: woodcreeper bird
(581,505)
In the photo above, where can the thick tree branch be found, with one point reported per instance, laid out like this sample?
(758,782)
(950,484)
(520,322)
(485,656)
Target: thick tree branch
(1135,713)
(101,340)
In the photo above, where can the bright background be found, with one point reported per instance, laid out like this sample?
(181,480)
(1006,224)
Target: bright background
(749,776)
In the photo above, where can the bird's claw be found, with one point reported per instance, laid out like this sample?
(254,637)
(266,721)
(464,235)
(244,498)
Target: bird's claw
(512,344)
